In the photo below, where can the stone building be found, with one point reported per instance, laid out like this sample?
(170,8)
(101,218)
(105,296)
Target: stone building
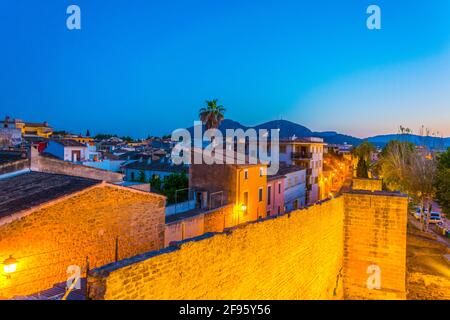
(52,222)
(29,128)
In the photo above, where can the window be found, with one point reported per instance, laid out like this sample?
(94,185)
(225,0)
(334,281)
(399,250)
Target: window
(279,187)
(260,195)
(245,203)
(132,176)
(269,193)
(246,174)
(261,172)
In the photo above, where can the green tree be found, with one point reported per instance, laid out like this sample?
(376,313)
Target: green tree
(174,182)
(104,136)
(392,164)
(442,182)
(156,184)
(142,176)
(365,151)
(362,170)
(127,139)
(409,170)
(212,115)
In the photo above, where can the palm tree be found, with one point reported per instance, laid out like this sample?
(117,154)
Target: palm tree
(212,115)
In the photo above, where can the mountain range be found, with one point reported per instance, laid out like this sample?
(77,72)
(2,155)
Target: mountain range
(289,129)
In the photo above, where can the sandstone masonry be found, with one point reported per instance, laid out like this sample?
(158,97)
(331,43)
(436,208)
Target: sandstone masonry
(47,239)
(321,252)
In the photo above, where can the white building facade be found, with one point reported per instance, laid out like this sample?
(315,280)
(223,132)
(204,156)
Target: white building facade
(67,150)
(294,188)
(306,153)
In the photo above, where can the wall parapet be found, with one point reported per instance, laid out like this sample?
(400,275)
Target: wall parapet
(190,225)
(18,165)
(49,165)
(320,252)
(226,265)
(367,184)
(375,245)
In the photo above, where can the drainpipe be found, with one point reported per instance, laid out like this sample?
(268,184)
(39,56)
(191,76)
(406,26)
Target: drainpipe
(238,196)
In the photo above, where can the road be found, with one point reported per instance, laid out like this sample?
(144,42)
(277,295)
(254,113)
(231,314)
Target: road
(431,229)
(428,270)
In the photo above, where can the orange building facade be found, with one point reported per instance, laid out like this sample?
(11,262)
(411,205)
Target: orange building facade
(244,186)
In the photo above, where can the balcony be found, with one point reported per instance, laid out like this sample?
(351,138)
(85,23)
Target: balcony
(301,155)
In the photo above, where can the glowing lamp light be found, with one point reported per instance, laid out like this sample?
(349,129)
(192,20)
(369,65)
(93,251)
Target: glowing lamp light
(9,265)
(243,207)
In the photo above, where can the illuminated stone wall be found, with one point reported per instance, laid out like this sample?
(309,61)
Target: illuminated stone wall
(48,240)
(215,220)
(296,256)
(375,235)
(322,252)
(367,184)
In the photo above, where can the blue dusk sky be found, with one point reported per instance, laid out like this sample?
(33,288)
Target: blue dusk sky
(146,66)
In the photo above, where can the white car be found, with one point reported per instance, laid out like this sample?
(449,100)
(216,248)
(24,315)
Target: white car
(435,218)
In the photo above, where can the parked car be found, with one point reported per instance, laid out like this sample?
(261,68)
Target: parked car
(435,218)
(417,213)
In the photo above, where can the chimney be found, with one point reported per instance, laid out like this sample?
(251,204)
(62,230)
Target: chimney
(34,158)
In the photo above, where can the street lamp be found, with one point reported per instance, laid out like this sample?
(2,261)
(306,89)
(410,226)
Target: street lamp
(9,266)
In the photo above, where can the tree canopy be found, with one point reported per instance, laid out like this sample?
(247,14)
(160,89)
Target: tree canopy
(442,182)
(212,115)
